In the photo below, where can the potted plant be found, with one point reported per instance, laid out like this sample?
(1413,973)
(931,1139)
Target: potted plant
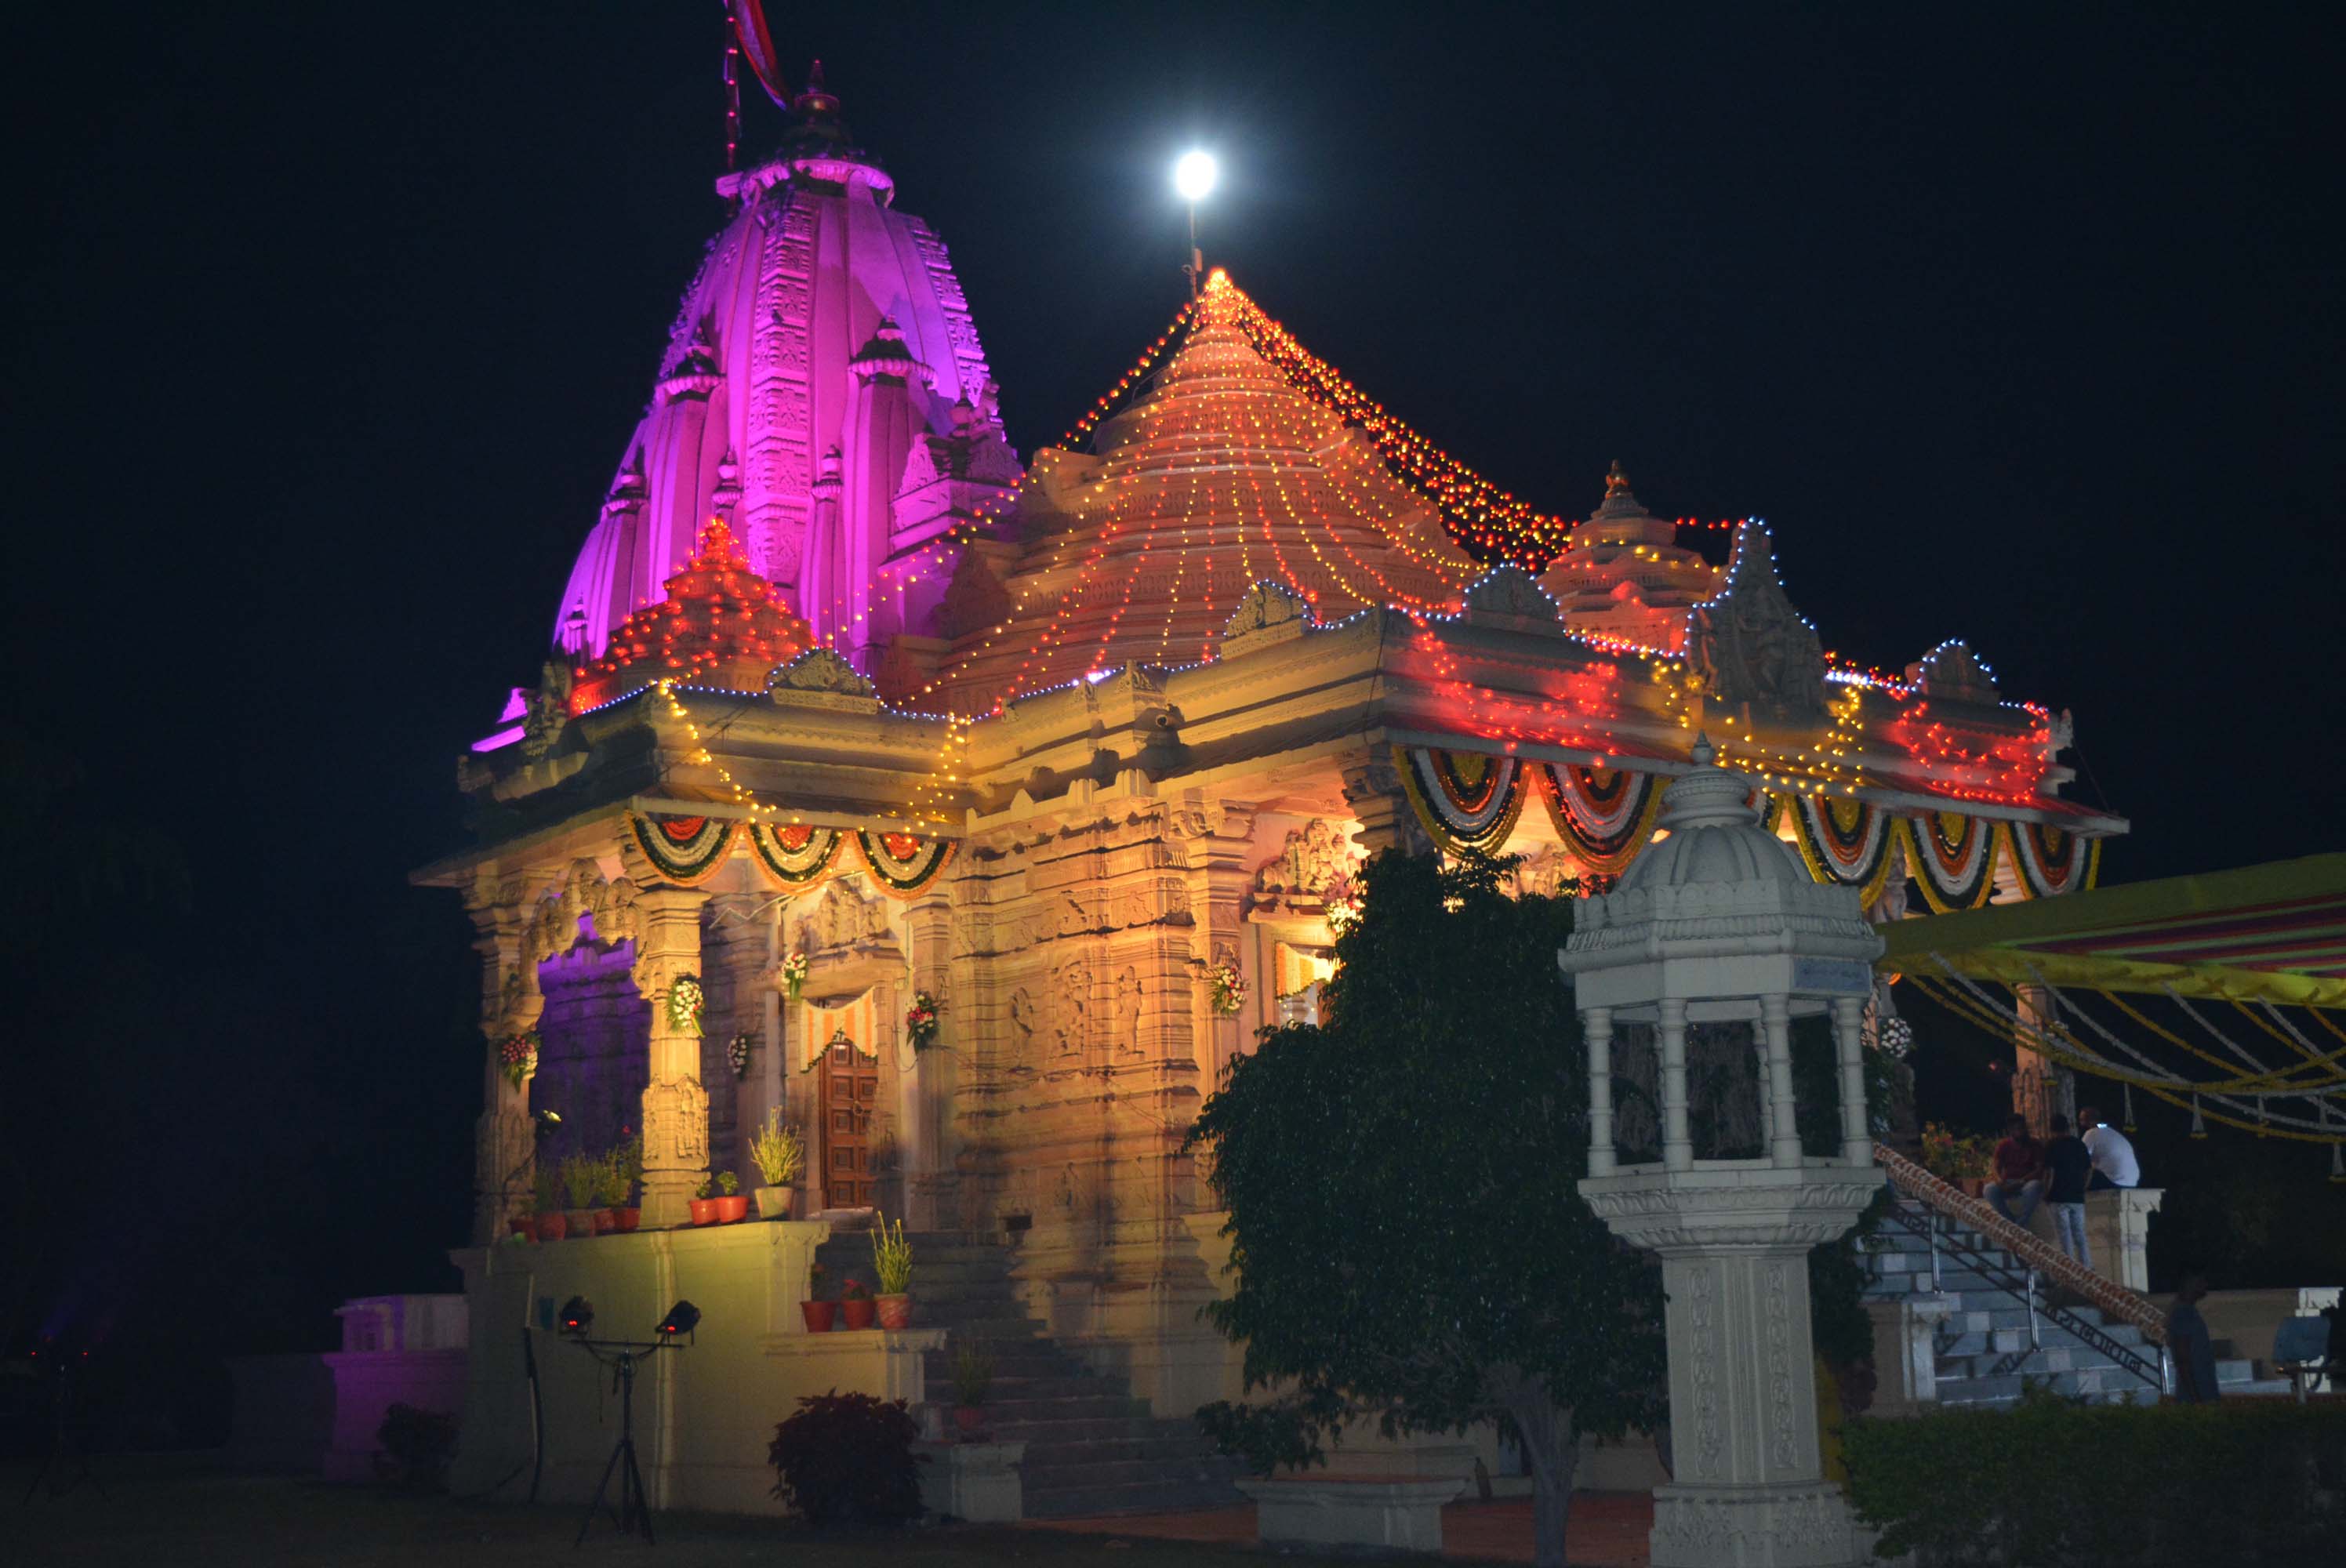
(621,1169)
(549,1224)
(703,1202)
(781,1156)
(973,1379)
(582,1184)
(891,1260)
(817,1311)
(732,1203)
(1965,1162)
(856,1306)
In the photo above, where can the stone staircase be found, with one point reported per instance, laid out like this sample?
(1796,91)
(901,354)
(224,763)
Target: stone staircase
(1984,1353)
(1092,1448)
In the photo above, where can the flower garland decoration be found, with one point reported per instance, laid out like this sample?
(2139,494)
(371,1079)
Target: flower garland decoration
(794,972)
(921,1021)
(685,1001)
(1229,989)
(517,1056)
(737,1052)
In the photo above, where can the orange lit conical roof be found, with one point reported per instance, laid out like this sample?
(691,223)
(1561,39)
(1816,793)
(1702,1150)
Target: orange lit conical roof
(721,624)
(1224,471)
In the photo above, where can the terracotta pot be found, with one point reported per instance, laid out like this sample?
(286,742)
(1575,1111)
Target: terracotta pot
(552,1226)
(857,1313)
(730,1209)
(819,1315)
(1973,1186)
(581,1222)
(625,1219)
(774,1202)
(969,1420)
(895,1312)
(525,1225)
(704,1210)
(605,1222)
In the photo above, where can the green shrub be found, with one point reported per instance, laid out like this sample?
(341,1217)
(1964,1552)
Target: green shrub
(847,1457)
(2055,1485)
(417,1447)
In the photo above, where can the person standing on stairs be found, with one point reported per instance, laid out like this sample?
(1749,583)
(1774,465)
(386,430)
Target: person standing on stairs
(2019,1172)
(2188,1342)
(2068,1166)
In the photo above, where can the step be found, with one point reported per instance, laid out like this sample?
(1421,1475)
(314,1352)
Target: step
(1180,1496)
(1047,1451)
(1078,1407)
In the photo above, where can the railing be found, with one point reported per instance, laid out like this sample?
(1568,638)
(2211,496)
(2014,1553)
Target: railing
(2023,1285)
(2040,1257)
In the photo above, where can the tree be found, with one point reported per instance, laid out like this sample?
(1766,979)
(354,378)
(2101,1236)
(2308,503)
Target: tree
(1409,1244)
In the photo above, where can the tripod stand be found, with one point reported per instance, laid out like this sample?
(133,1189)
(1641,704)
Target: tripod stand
(634,1511)
(67,1465)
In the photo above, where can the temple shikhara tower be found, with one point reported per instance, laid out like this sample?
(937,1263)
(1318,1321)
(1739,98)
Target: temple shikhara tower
(844,705)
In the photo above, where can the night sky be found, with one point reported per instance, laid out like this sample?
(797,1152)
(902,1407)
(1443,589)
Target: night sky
(329,323)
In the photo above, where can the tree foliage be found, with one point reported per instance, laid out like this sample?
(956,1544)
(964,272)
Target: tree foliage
(1409,1244)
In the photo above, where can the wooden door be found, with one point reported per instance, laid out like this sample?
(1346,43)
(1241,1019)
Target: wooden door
(850,1088)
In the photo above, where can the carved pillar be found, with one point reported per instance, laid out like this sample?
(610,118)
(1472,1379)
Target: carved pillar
(2033,1089)
(929,1179)
(1215,837)
(1597,1028)
(1856,1133)
(1678,1138)
(1783,1129)
(504,1142)
(676,1106)
(1373,791)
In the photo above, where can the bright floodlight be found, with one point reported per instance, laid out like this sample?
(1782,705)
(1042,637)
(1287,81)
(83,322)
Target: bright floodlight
(1194,175)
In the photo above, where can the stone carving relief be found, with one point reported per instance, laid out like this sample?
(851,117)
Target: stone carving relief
(1268,614)
(1951,671)
(1126,1012)
(553,926)
(676,1124)
(1023,1021)
(1752,648)
(841,919)
(549,708)
(1071,1004)
(821,669)
(1703,1310)
(1315,857)
(1778,1335)
(1507,596)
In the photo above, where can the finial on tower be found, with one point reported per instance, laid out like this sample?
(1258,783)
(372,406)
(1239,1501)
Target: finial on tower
(1615,482)
(1704,754)
(817,99)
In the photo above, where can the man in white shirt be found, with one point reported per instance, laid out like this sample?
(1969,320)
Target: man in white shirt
(2114,1161)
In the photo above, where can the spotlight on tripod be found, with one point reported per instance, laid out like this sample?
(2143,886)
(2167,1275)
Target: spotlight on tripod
(623,1356)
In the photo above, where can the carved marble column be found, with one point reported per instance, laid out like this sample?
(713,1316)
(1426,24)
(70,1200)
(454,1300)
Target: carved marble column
(1372,788)
(676,1105)
(1215,838)
(929,1171)
(504,1144)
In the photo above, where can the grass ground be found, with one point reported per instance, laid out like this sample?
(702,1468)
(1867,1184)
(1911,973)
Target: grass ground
(183,1514)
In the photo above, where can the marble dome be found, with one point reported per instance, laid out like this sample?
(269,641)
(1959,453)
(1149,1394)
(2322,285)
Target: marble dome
(1714,837)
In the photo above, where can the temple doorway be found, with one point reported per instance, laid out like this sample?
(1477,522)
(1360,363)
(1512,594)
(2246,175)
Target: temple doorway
(850,1089)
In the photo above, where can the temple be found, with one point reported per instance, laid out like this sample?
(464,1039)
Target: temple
(845,709)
